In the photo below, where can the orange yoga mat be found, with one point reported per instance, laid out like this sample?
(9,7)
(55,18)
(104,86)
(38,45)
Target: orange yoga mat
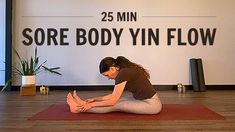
(169,112)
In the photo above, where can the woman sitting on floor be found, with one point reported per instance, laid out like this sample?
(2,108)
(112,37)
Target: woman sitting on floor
(128,76)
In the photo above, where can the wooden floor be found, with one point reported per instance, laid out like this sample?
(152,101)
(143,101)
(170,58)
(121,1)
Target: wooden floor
(16,109)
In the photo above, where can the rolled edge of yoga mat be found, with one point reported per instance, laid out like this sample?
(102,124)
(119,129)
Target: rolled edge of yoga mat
(202,86)
(194,74)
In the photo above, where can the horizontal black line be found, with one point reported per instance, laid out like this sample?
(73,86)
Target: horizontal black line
(110,87)
(179,16)
(61,16)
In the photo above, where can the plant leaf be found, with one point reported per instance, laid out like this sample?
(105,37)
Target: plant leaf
(5,86)
(31,69)
(35,53)
(21,61)
(23,67)
(56,72)
(35,63)
(39,67)
(27,68)
(17,70)
(17,54)
(52,70)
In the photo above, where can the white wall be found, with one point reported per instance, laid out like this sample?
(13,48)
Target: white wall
(2,41)
(167,64)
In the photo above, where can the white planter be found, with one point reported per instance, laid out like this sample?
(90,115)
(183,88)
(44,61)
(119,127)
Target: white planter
(28,80)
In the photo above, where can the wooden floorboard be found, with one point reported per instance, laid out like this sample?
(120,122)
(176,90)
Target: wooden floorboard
(16,109)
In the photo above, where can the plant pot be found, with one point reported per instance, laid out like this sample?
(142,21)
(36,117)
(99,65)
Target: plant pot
(28,86)
(28,80)
(28,90)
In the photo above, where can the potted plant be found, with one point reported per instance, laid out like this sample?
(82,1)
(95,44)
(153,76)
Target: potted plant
(29,69)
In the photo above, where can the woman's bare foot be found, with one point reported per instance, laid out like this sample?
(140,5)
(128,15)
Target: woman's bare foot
(79,100)
(72,102)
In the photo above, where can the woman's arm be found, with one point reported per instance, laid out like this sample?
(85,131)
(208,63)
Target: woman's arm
(112,100)
(101,98)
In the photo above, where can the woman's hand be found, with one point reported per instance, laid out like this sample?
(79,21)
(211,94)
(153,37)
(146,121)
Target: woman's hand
(85,107)
(90,100)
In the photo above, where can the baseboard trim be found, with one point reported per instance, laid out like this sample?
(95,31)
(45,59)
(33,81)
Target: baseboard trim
(110,87)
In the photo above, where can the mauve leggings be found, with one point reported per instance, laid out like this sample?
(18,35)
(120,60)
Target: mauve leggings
(131,105)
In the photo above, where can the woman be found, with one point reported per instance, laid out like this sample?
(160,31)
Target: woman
(128,76)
